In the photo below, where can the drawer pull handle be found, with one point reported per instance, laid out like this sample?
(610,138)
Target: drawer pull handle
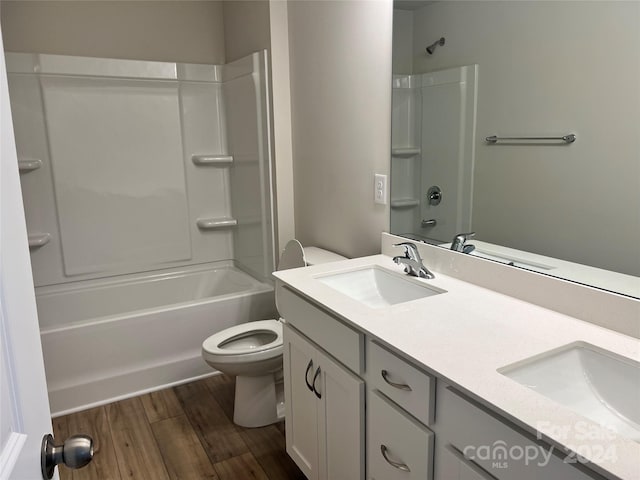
(400,386)
(399,466)
(315,377)
(306,375)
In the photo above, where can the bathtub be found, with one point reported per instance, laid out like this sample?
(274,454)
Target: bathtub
(113,338)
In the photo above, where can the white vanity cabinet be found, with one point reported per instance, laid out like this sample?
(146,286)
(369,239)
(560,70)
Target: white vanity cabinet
(324,405)
(417,426)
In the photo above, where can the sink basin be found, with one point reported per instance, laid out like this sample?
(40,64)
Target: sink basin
(376,287)
(593,382)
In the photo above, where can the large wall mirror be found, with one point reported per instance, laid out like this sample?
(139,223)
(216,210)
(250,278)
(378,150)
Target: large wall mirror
(537,72)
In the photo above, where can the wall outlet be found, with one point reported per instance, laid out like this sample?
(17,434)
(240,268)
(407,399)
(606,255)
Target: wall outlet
(380,189)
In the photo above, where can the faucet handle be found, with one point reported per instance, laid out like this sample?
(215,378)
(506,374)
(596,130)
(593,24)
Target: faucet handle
(410,250)
(466,236)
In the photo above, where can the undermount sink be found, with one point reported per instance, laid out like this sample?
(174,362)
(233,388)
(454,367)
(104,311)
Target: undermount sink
(592,382)
(376,287)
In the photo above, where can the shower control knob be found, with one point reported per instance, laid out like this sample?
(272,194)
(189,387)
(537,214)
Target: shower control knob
(75,452)
(434,195)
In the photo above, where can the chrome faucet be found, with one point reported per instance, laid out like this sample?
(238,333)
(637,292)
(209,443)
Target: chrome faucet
(412,261)
(459,242)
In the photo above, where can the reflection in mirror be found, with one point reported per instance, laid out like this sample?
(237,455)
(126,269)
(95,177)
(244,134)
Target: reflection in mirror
(521,69)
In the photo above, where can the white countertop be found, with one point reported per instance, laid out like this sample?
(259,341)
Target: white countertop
(466,334)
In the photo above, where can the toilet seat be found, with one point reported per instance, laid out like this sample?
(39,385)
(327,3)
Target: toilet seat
(251,341)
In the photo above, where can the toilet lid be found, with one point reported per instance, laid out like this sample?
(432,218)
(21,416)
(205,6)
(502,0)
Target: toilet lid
(246,338)
(292,256)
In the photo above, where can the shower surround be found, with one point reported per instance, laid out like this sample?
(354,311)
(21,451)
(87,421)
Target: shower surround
(147,191)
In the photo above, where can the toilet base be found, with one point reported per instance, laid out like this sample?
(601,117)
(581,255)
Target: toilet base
(259,401)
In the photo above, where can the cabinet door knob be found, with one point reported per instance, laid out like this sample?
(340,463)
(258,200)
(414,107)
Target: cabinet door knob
(306,375)
(400,386)
(399,466)
(315,377)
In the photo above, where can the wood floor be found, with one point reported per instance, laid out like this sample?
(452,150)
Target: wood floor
(184,432)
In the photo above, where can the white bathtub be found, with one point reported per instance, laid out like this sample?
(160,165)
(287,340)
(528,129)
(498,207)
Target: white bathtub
(113,338)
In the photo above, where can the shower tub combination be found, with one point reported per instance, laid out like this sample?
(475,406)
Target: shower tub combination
(147,194)
(108,339)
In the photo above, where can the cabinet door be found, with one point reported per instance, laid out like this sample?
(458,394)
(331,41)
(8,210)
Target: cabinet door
(301,404)
(341,422)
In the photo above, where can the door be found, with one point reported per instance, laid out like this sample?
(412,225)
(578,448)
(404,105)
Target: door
(24,406)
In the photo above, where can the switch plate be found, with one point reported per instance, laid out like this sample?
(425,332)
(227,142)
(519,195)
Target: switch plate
(380,189)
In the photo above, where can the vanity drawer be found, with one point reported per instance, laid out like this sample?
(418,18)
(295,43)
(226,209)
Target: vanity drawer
(494,448)
(398,447)
(409,387)
(331,334)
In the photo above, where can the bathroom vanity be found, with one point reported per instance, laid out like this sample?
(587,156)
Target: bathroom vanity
(383,383)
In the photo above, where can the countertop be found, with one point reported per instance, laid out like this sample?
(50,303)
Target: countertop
(466,334)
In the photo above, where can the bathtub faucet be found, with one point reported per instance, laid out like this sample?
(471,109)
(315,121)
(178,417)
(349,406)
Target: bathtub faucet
(412,261)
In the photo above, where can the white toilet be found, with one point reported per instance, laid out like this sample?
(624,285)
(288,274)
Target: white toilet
(252,352)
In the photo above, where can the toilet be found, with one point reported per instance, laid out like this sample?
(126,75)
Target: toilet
(252,352)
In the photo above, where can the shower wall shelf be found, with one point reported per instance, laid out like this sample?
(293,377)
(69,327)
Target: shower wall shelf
(216,223)
(37,240)
(569,138)
(405,203)
(405,151)
(212,160)
(28,165)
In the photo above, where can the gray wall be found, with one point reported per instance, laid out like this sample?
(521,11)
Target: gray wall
(550,68)
(340,57)
(172,30)
(402,42)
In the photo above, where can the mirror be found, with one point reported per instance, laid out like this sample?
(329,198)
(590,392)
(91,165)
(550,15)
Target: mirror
(538,69)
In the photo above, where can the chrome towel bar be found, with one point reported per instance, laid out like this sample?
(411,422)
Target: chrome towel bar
(570,138)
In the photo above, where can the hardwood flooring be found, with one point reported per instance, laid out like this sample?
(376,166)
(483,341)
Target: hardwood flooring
(185,432)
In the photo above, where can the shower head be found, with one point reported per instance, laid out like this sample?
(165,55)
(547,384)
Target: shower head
(433,46)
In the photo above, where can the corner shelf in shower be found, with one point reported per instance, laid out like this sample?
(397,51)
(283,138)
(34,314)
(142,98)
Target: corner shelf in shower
(405,151)
(28,165)
(37,240)
(216,223)
(405,203)
(212,160)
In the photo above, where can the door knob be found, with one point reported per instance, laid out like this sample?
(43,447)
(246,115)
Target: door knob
(75,452)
